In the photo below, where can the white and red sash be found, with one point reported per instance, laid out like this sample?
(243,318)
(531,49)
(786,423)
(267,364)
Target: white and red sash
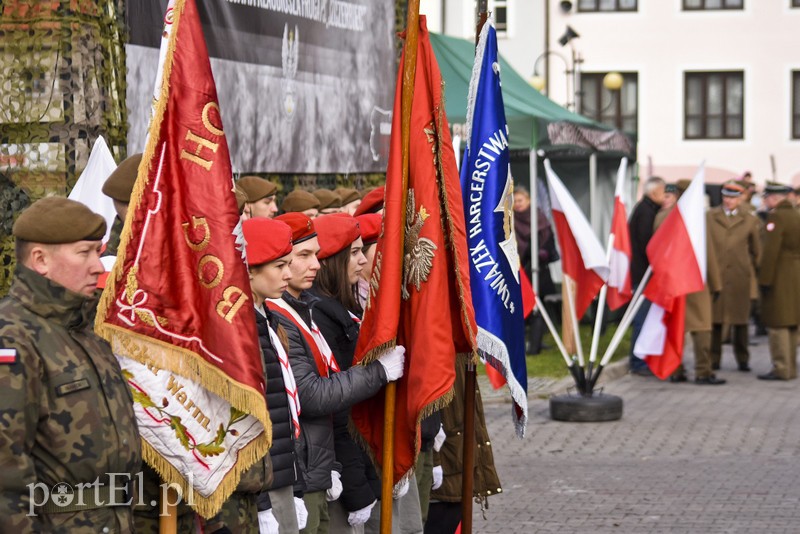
(288,378)
(323,355)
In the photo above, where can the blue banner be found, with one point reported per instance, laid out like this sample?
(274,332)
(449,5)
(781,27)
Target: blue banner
(488,191)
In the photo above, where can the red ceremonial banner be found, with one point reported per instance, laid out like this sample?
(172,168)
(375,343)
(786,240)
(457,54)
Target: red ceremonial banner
(420,295)
(177,308)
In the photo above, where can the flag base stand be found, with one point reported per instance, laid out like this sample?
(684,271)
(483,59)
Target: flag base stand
(595,408)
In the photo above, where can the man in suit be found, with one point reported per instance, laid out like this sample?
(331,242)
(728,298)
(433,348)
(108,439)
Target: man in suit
(779,280)
(640,226)
(734,232)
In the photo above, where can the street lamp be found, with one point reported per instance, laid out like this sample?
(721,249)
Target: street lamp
(571,69)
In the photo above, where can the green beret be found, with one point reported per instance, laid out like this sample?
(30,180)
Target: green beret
(120,184)
(777,188)
(347,195)
(671,188)
(58,220)
(299,200)
(327,199)
(256,188)
(241,198)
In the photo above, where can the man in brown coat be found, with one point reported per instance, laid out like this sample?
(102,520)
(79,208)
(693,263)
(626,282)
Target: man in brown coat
(779,280)
(734,232)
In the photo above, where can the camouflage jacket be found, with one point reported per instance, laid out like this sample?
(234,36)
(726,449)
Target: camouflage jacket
(66,413)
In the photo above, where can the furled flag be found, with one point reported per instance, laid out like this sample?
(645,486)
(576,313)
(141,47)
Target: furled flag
(88,189)
(176,308)
(582,256)
(619,264)
(488,191)
(419,291)
(677,254)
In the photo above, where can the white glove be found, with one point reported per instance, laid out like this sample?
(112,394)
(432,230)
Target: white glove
(392,362)
(336,487)
(400,489)
(301,512)
(438,477)
(267,524)
(359,517)
(438,441)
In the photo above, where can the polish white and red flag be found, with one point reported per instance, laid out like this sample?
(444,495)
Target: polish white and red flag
(677,255)
(582,256)
(619,261)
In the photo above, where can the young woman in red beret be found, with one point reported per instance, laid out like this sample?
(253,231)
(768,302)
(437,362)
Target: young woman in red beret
(338,314)
(269,253)
(324,387)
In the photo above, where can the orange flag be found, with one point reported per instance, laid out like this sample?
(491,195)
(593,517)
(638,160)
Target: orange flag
(177,308)
(419,292)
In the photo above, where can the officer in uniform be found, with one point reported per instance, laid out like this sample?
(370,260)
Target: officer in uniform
(779,280)
(734,233)
(69,444)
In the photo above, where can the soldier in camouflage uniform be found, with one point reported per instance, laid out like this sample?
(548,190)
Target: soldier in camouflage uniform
(67,427)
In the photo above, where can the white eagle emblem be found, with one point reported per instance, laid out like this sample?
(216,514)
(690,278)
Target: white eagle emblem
(418,251)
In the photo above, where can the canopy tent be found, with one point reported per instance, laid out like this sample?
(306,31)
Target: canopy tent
(585,154)
(535,122)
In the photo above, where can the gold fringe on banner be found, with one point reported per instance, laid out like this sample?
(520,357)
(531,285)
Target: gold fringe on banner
(170,357)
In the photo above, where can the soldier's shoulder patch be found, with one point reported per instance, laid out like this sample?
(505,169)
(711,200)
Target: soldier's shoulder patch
(770,226)
(8,356)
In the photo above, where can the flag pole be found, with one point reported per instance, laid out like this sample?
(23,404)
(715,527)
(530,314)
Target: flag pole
(598,320)
(407,97)
(573,367)
(168,520)
(470,383)
(576,333)
(627,319)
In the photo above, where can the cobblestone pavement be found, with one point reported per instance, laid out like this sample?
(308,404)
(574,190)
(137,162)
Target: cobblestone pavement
(683,458)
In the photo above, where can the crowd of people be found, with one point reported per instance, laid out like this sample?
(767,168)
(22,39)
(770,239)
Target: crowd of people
(66,413)
(752,275)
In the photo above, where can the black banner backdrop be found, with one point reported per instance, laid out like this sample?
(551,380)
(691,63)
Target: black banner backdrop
(305,86)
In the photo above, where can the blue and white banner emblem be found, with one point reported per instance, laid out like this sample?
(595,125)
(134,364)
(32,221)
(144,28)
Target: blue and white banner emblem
(488,191)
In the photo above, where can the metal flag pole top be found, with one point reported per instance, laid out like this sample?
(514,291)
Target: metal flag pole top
(407,98)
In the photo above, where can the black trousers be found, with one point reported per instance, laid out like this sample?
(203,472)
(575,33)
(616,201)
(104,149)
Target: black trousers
(443,518)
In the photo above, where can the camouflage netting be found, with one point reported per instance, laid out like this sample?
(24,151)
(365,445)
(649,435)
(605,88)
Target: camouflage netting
(62,81)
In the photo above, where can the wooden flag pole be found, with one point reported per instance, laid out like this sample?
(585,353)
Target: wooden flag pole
(470,384)
(407,98)
(168,519)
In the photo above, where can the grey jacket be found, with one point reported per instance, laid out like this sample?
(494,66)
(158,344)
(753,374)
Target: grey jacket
(320,398)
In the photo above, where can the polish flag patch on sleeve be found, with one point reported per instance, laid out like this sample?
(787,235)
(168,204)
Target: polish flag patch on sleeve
(8,356)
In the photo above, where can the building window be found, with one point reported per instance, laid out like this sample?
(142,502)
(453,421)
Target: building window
(618,109)
(499,9)
(795,3)
(704,5)
(796,104)
(590,6)
(714,105)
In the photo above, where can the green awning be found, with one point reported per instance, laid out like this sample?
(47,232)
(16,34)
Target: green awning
(534,121)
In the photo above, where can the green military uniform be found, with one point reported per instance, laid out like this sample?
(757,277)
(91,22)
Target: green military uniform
(779,278)
(66,413)
(737,242)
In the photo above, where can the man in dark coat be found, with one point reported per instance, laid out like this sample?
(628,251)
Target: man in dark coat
(779,280)
(640,226)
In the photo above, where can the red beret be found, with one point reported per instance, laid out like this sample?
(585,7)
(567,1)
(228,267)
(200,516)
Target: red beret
(301,224)
(370,225)
(335,233)
(267,240)
(372,201)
